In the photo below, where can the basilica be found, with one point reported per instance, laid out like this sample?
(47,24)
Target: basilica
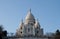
(30,26)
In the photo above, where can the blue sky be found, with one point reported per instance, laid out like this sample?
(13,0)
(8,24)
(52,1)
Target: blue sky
(46,11)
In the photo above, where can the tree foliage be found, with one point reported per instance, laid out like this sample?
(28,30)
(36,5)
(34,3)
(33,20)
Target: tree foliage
(57,36)
(1,27)
(3,33)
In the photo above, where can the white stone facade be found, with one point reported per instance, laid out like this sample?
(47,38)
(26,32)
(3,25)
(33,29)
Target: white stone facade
(30,27)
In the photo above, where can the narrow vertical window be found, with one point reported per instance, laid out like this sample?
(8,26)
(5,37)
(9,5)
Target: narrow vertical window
(21,27)
(28,29)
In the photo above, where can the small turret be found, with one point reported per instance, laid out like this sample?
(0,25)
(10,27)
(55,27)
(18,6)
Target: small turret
(37,25)
(20,29)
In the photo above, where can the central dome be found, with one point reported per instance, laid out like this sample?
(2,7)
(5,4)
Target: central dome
(29,18)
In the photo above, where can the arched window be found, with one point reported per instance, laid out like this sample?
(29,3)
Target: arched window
(28,29)
(21,27)
(21,32)
(37,31)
